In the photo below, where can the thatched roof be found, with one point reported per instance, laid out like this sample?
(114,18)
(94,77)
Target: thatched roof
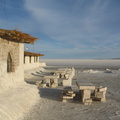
(17,36)
(32,54)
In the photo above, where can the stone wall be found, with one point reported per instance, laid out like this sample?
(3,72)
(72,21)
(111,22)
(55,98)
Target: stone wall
(16,76)
(19,64)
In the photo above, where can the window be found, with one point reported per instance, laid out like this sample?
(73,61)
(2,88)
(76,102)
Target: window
(9,63)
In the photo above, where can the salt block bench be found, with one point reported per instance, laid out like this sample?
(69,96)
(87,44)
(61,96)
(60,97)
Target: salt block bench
(99,94)
(38,83)
(41,84)
(67,94)
(85,92)
(51,80)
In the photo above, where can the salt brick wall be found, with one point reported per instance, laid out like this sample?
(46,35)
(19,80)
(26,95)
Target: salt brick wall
(11,79)
(32,65)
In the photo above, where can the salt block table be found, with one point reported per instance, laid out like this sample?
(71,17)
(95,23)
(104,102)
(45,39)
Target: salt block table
(85,92)
(60,72)
(52,80)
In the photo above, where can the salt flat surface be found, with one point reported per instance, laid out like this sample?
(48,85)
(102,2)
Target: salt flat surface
(83,62)
(50,106)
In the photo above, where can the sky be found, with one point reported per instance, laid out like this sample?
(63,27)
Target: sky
(67,29)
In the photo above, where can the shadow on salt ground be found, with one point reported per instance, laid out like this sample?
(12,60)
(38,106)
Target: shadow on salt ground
(34,74)
(33,82)
(40,74)
(50,93)
(77,97)
(55,94)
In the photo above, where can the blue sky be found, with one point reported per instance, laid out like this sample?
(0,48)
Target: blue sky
(67,29)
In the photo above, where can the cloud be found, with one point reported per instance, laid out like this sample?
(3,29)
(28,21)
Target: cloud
(85,27)
(68,27)
(64,23)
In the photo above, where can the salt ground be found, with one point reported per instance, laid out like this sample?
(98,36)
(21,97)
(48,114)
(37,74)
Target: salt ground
(15,102)
(50,107)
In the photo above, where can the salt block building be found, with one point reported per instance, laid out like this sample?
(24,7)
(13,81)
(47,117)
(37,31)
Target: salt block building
(12,57)
(31,60)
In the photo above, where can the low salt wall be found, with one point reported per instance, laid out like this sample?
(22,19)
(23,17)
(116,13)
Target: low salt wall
(33,65)
(43,64)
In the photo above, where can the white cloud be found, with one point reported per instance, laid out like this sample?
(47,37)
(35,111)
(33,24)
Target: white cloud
(80,26)
(63,25)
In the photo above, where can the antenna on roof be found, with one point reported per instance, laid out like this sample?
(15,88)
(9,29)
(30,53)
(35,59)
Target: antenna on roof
(5,10)
(33,47)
